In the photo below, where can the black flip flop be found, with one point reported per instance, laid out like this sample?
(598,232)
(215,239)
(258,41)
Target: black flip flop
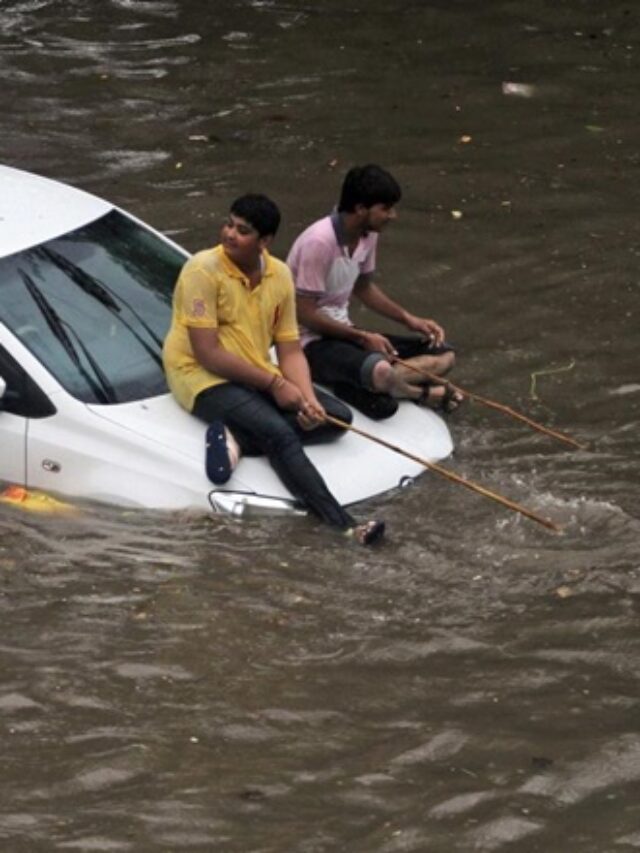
(368,533)
(217,462)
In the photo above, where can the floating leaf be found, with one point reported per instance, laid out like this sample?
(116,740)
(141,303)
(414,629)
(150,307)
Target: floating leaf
(564,592)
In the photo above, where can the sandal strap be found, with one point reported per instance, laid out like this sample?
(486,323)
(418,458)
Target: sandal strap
(426,390)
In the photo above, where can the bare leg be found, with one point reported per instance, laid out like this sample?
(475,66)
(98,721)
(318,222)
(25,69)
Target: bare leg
(438,364)
(387,379)
(403,383)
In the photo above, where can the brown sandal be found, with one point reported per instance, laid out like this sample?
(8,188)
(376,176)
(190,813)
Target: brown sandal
(446,404)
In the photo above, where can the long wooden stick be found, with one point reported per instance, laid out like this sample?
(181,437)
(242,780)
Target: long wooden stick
(492,404)
(433,466)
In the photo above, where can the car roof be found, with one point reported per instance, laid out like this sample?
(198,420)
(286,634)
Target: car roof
(34,209)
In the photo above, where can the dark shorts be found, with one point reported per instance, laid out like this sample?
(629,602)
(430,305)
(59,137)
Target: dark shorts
(334,361)
(347,368)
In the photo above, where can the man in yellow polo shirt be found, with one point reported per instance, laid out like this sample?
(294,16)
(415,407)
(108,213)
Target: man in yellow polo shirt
(231,303)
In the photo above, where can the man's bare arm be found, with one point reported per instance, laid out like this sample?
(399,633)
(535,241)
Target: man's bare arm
(320,323)
(372,295)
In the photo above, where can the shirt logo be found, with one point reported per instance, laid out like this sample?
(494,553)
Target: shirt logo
(198,308)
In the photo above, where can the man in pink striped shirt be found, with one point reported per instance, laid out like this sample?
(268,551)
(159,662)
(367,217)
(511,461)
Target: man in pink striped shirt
(334,260)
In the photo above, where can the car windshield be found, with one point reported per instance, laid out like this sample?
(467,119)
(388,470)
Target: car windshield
(94,306)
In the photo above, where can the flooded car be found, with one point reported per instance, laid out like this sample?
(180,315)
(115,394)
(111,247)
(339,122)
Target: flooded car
(85,302)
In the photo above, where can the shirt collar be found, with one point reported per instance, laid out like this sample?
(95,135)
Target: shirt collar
(338,228)
(341,237)
(231,269)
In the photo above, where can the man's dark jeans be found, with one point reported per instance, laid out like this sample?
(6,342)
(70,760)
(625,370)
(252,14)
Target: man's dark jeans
(261,428)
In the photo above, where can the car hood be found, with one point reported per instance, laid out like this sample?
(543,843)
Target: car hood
(161,421)
(353,467)
(178,438)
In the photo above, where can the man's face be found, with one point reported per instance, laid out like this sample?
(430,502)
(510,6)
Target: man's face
(240,241)
(378,216)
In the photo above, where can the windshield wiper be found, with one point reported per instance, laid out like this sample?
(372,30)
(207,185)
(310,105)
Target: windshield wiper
(98,383)
(103,294)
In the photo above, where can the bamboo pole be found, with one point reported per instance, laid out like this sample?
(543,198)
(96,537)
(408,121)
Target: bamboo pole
(449,475)
(492,404)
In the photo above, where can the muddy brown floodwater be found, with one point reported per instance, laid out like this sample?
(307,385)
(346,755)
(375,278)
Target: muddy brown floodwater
(199,684)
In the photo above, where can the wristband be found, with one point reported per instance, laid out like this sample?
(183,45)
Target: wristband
(276,382)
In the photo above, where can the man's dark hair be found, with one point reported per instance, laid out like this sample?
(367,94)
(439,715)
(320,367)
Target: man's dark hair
(259,211)
(368,185)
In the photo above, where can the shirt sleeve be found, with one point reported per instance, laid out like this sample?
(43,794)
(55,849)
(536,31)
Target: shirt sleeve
(310,263)
(285,327)
(197,295)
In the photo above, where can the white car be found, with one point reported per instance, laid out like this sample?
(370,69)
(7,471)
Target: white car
(85,302)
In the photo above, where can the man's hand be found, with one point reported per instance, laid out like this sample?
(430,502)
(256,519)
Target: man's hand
(311,414)
(294,390)
(287,395)
(433,332)
(375,342)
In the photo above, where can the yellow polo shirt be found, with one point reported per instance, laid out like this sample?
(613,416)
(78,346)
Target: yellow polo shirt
(212,293)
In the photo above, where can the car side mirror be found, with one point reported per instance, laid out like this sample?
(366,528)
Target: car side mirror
(3,388)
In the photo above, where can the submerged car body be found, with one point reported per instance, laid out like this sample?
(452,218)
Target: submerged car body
(85,302)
